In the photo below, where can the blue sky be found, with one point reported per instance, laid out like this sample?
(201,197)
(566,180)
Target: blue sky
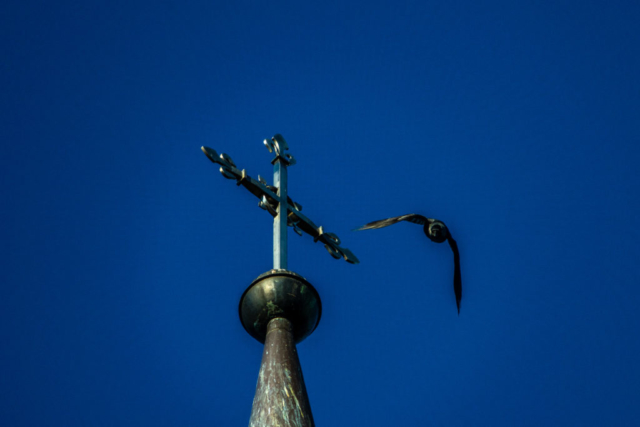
(125,252)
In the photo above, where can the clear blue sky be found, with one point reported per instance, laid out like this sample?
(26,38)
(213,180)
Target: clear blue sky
(125,252)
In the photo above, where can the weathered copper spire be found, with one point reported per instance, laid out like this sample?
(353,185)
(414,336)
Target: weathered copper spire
(280,309)
(281,397)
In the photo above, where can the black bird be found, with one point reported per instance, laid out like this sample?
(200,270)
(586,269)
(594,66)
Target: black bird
(437,232)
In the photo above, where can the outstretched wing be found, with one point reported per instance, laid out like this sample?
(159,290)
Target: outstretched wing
(414,218)
(457,279)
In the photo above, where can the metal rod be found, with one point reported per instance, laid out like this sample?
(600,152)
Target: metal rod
(280,221)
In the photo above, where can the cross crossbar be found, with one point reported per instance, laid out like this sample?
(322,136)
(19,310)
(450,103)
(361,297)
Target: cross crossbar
(274,198)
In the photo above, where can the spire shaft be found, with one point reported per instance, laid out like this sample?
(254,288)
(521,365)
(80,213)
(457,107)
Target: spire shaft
(281,397)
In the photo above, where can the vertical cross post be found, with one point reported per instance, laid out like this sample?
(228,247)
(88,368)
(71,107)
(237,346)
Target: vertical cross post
(280,221)
(278,146)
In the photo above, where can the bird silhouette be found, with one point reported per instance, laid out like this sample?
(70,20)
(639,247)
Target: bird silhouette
(435,230)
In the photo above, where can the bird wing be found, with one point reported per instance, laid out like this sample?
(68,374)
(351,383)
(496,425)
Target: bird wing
(414,218)
(457,277)
(419,219)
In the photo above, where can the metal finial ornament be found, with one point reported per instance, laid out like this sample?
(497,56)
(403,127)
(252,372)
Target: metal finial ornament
(437,232)
(274,199)
(280,308)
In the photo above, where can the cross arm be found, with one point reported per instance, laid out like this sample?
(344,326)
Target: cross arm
(229,170)
(330,240)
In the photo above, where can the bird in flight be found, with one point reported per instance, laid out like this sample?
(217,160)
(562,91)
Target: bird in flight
(437,232)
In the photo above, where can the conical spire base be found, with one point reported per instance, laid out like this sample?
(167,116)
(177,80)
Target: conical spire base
(281,396)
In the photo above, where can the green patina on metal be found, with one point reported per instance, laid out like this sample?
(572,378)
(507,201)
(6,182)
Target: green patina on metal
(273,310)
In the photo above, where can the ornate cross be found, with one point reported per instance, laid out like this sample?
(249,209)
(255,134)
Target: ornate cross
(274,199)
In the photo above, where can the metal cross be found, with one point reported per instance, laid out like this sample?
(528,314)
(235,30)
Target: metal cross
(274,199)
